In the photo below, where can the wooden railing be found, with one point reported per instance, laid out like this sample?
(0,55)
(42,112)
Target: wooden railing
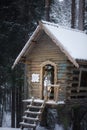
(59,92)
(80,92)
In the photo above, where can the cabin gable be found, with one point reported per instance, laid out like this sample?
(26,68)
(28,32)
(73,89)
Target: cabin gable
(45,49)
(45,52)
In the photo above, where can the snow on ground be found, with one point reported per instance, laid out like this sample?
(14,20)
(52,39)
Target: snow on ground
(6,124)
(9,128)
(57,127)
(6,119)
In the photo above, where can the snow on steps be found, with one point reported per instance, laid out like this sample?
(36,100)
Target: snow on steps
(49,102)
(35,101)
(30,118)
(37,107)
(32,114)
(27,125)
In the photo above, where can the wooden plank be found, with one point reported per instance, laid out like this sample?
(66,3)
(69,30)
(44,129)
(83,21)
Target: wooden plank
(36,107)
(79,80)
(81,88)
(32,112)
(79,94)
(74,82)
(27,125)
(30,118)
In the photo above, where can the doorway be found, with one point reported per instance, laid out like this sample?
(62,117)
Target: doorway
(48,78)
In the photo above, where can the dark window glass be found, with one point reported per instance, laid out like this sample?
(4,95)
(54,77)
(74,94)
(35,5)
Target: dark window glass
(83,82)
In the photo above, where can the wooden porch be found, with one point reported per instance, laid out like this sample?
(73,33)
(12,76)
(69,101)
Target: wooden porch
(35,107)
(62,93)
(63,96)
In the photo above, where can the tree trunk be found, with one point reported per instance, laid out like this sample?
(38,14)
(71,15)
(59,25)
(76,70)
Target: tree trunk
(81,14)
(47,10)
(13,102)
(13,108)
(73,10)
(19,93)
(76,123)
(18,105)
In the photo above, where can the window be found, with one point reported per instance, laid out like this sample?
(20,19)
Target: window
(83,80)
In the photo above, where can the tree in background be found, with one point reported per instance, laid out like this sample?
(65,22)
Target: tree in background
(70,13)
(18,19)
(61,12)
(47,10)
(85,20)
(81,14)
(73,14)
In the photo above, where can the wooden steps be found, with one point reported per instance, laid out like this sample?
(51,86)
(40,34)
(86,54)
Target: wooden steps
(27,125)
(37,107)
(30,118)
(33,113)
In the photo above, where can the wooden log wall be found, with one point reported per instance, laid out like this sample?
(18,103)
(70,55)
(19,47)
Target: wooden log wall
(44,50)
(78,91)
(65,78)
(67,74)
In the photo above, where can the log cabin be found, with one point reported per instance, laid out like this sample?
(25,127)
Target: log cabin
(56,64)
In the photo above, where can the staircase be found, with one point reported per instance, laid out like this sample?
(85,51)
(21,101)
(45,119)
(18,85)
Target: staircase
(33,113)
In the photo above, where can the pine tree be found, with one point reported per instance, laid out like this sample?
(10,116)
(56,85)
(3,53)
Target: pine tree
(61,12)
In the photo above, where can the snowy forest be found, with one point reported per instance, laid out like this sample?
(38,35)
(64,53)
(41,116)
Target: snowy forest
(18,20)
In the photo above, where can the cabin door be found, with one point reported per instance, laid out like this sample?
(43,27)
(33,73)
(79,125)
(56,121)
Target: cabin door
(48,78)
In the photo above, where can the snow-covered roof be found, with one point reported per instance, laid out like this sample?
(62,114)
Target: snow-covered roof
(72,42)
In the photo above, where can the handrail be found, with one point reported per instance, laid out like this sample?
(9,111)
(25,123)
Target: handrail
(57,87)
(54,85)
